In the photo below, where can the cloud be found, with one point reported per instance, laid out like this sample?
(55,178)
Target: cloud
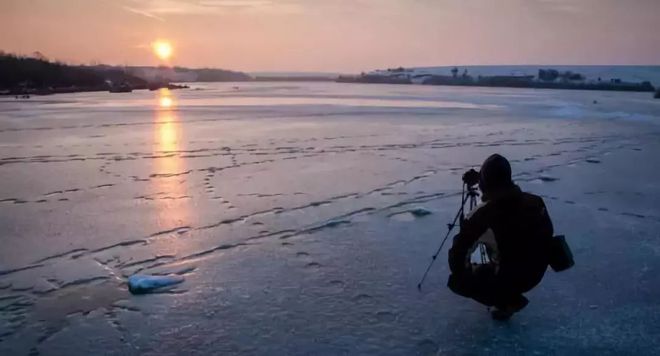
(235,3)
(142,13)
(154,8)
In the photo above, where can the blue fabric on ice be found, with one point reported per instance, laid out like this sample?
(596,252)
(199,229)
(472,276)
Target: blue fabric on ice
(140,284)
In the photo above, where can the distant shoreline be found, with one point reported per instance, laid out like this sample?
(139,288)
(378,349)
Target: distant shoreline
(572,78)
(69,90)
(54,91)
(520,85)
(25,76)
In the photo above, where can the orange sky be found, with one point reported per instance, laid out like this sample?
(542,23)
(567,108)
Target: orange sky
(336,35)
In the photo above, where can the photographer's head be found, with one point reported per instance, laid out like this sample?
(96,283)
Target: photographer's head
(495,175)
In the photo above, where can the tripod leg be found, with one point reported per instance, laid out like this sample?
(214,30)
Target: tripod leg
(484,255)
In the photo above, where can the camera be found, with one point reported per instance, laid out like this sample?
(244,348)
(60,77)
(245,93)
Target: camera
(471,178)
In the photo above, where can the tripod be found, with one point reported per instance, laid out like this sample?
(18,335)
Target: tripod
(470,195)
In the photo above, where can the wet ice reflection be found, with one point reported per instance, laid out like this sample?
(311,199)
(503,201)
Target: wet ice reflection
(172,208)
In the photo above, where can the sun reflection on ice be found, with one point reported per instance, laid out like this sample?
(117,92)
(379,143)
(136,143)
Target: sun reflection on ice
(169,176)
(165,101)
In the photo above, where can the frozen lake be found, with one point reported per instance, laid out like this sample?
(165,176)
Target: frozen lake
(286,207)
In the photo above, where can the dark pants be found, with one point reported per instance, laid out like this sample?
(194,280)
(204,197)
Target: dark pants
(488,288)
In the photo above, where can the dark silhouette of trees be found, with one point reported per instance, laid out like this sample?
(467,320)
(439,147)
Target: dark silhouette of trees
(548,75)
(20,74)
(30,72)
(217,75)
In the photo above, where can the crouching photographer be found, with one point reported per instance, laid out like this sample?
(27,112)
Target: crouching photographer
(514,232)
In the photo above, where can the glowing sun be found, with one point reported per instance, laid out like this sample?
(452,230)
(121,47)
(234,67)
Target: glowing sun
(162,49)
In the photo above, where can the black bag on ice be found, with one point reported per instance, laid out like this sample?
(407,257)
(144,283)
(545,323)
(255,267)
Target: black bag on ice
(561,257)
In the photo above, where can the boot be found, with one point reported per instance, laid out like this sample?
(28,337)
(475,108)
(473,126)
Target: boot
(505,312)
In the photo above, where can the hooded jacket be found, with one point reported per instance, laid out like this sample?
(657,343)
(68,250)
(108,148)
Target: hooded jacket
(517,232)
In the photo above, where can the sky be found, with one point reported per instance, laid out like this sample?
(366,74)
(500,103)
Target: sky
(345,36)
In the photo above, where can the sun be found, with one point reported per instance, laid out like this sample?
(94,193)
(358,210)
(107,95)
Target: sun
(162,49)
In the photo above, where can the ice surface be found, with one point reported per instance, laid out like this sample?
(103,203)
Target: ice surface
(293,211)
